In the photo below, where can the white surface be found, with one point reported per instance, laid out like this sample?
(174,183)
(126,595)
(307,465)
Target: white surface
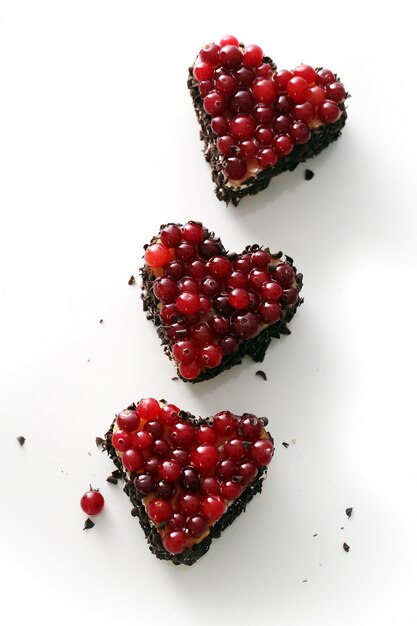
(99,145)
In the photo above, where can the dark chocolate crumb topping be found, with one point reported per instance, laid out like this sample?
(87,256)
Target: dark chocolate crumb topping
(308,174)
(88,524)
(285,444)
(112,479)
(261,373)
(99,442)
(21,439)
(349,511)
(131,280)
(346,548)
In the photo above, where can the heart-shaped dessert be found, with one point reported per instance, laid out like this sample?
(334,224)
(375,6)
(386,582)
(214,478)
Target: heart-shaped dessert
(257,121)
(188,478)
(212,307)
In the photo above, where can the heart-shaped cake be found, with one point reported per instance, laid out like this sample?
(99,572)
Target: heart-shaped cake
(257,121)
(188,478)
(213,307)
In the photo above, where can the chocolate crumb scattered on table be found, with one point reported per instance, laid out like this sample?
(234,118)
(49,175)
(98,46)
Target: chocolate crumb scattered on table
(285,444)
(112,479)
(346,548)
(349,511)
(131,280)
(88,524)
(308,174)
(261,373)
(21,439)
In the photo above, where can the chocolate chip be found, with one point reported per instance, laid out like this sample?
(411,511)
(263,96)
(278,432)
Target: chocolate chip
(88,524)
(346,548)
(21,439)
(308,174)
(101,321)
(131,280)
(349,511)
(285,444)
(261,373)
(112,480)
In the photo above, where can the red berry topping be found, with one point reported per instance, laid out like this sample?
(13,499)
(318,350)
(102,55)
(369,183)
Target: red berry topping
(265,90)
(297,88)
(168,414)
(304,112)
(230,56)
(132,460)
(205,457)
(190,371)
(245,325)
(210,486)
(144,484)
(206,434)
(282,145)
(231,490)
(247,472)
(182,434)
(192,233)
(148,409)
(284,275)
(263,113)
(141,440)
(121,440)
(261,452)
(242,127)
(92,502)
(235,168)
(225,469)
(214,103)
(210,54)
(267,157)
(175,269)
(299,132)
(271,291)
(226,84)
(307,72)
(176,542)
(239,298)
(197,526)
(242,101)
(229,40)
(220,267)
(269,312)
(157,255)
(203,71)
(244,76)
(220,125)
(234,450)
(189,504)
(324,77)
(281,79)
(252,56)
(128,420)
(154,428)
(210,356)
(316,95)
(184,351)
(164,489)
(169,471)
(185,252)
(190,479)
(188,302)
(251,428)
(213,507)
(329,112)
(159,510)
(225,423)
(165,289)
(226,145)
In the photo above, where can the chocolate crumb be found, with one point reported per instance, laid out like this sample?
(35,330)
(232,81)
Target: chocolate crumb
(175,378)
(117,473)
(304,581)
(101,321)
(99,442)
(308,174)
(349,511)
(315,535)
(112,480)
(285,444)
(89,453)
(134,512)
(346,548)
(342,528)
(21,439)
(88,524)
(131,280)
(261,373)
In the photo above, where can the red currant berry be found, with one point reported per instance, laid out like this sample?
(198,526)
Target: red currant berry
(234,168)
(244,76)
(248,472)
(300,132)
(253,55)
(260,259)
(237,279)
(203,71)
(185,252)
(159,510)
(250,427)
(176,542)
(234,450)
(169,471)
(231,490)
(210,356)
(164,489)
(255,301)
(282,145)
(269,312)
(264,90)
(182,434)
(189,371)
(192,233)
(132,460)
(148,409)
(246,325)
(257,278)
(180,456)
(249,148)
(188,303)
(184,352)
(197,269)
(210,486)
(242,102)
(243,264)
(261,452)
(154,428)
(205,87)
(128,420)
(264,70)
(271,291)
(282,124)
(289,296)
(225,423)
(222,305)
(329,112)
(208,248)
(225,469)
(226,145)
(230,56)
(226,84)
(264,135)
(239,298)
(267,157)
(206,434)
(297,88)
(304,112)
(220,325)
(201,334)
(307,72)
(142,440)
(220,267)
(196,526)
(160,449)
(177,331)
(284,275)
(205,457)
(324,77)
(175,269)
(92,502)
(263,114)
(144,484)
(229,40)
(284,105)
(242,127)
(210,54)
(219,125)
(170,235)
(213,507)
(176,521)
(121,440)
(214,103)
(168,414)
(205,304)
(157,255)
(316,95)
(281,79)
(229,344)
(189,504)
(169,313)
(165,289)
(190,479)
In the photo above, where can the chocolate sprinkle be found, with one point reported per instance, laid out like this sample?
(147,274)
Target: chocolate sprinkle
(285,444)
(21,439)
(349,511)
(131,280)
(88,524)
(315,535)
(261,373)
(346,548)
(308,174)
(175,378)
(304,581)
(112,480)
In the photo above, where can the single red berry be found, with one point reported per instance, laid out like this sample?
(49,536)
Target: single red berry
(92,502)
(225,423)
(154,428)
(297,88)
(234,168)
(188,284)
(234,450)
(132,460)
(219,266)
(300,132)
(182,434)
(203,71)
(128,420)
(206,434)
(184,351)
(329,112)
(214,103)
(220,325)
(229,344)
(261,452)
(244,76)
(253,55)
(229,40)
(168,414)
(237,279)
(263,114)
(157,255)
(222,305)
(170,235)
(169,471)
(220,125)
(210,54)
(243,264)
(160,449)
(242,127)
(269,312)
(255,301)
(142,440)
(148,409)
(169,313)
(210,356)
(164,489)
(197,269)
(189,504)
(205,87)
(176,542)
(249,148)
(250,427)
(316,95)
(205,457)
(257,278)
(196,525)
(190,371)
(248,472)
(264,90)
(159,510)
(284,275)
(213,507)
(177,332)
(227,145)
(165,289)
(208,248)
(324,77)
(281,79)
(289,296)
(180,456)
(176,521)
(192,233)
(242,101)
(264,70)
(282,124)
(264,135)
(205,304)
(230,56)
(284,104)
(267,157)
(245,325)
(282,145)
(304,112)
(188,302)
(201,334)
(121,440)
(210,486)
(175,269)
(231,490)
(260,259)
(190,479)
(185,252)
(144,484)
(226,84)
(225,469)
(271,291)
(239,298)
(307,72)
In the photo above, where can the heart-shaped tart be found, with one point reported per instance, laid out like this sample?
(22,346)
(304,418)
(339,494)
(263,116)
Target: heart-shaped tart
(188,478)
(213,307)
(257,121)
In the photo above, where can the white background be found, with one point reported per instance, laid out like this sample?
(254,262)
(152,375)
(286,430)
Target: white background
(98,146)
